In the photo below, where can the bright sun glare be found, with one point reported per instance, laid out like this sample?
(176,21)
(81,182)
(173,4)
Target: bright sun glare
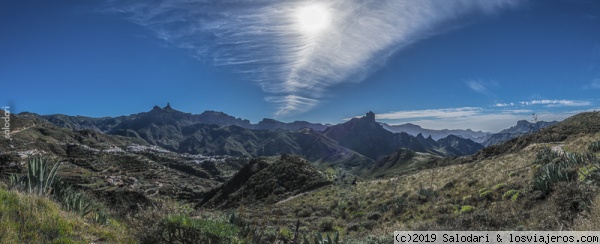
(313,18)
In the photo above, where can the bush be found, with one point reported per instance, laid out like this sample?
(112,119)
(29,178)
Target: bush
(594,147)
(486,194)
(466,209)
(182,228)
(305,212)
(509,194)
(498,186)
(549,175)
(374,216)
(326,224)
(515,197)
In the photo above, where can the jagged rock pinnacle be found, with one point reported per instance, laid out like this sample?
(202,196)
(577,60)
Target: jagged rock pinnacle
(370,116)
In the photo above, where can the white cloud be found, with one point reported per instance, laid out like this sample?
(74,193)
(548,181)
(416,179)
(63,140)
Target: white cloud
(557,103)
(480,86)
(430,113)
(501,105)
(261,39)
(492,120)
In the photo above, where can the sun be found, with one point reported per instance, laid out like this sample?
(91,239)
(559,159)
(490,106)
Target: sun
(313,19)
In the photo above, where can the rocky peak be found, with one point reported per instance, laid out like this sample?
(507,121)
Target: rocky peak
(370,116)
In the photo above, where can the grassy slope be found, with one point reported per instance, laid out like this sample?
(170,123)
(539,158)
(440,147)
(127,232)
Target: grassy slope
(35,219)
(467,196)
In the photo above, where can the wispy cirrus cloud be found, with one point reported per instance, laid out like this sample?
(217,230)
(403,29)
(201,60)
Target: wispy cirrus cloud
(492,119)
(480,86)
(261,40)
(547,102)
(501,105)
(430,113)
(557,103)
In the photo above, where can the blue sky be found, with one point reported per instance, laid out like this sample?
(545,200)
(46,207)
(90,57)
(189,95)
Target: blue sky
(479,64)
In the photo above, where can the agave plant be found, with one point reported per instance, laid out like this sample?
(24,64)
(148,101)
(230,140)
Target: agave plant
(39,178)
(75,201)
(320,239)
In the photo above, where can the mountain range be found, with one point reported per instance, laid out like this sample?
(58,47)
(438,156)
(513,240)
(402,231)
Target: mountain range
(484,138)
(352,143)
(356,174)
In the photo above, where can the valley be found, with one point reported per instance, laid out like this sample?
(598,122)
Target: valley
(356,180)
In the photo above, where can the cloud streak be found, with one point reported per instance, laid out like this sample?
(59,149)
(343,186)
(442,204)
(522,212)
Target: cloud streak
(476,118)
(260,39)
(480,86)
(557,103)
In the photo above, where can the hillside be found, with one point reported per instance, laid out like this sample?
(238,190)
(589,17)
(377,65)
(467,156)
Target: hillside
(502,187)
(504,190)
(521,128)
(260,182)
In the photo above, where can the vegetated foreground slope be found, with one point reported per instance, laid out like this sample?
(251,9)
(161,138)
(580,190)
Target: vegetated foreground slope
(123,171)
(547,180)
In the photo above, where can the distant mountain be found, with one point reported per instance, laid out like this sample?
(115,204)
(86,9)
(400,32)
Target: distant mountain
(350,145)
(457,146)
(414,130)
(587,123)
(271,124)
(108,124)
(368,137)
(522,127)
(182,133)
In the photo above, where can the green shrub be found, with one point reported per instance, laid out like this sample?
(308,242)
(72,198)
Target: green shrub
(515,196)
(509,194)
(466,209)
(326,224)
(589,173)
(594,147)
(467,198)
(498,186)
(305,212)
(182,228)
(485,194)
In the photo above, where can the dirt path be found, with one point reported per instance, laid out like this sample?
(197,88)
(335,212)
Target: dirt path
(292,197)
(19,130)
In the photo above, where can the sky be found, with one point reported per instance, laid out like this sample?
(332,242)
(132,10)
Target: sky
(478,64)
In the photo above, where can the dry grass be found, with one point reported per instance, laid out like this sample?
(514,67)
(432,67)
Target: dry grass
(454,186)
(34,219)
